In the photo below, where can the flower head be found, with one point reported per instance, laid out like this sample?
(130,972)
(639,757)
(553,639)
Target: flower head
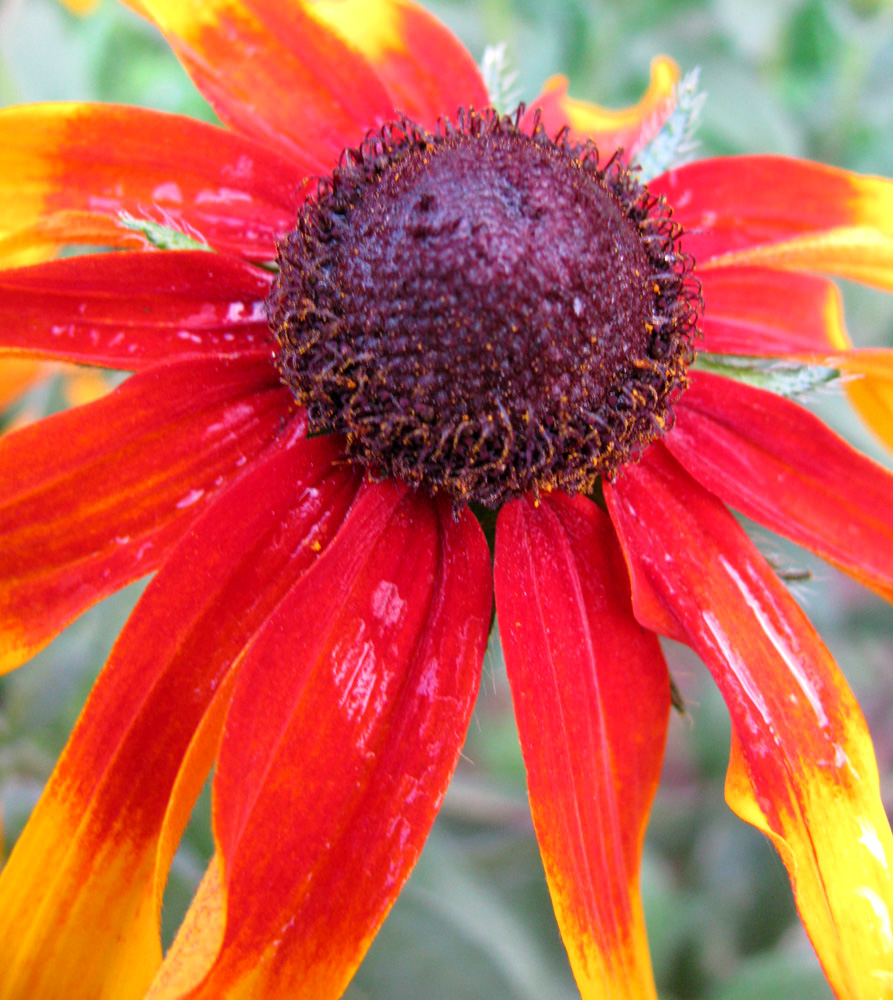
(485,312)
(465,311)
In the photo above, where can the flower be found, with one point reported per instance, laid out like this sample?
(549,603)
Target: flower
(315,628)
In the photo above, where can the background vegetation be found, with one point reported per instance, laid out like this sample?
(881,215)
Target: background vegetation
(803,77)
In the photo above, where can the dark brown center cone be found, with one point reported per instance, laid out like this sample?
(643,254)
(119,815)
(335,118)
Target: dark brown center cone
(483,311)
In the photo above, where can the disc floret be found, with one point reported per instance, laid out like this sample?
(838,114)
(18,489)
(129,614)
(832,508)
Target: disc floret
(485,311)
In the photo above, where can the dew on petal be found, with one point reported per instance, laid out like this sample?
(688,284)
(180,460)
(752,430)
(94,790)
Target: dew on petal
(884,927)
(387,605)
(169,191)
(871,841)
(227,195)
(742,673)
(192,497)
(781,644)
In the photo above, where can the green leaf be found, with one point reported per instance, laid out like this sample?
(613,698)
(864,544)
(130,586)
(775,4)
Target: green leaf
(675,143)
(781,376)
(161,236)
(500,78)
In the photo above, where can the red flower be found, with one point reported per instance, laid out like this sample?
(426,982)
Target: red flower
(318,632)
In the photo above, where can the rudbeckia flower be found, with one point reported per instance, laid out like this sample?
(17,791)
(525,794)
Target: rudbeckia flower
(384,316)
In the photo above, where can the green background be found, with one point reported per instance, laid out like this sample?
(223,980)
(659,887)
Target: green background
(803,77)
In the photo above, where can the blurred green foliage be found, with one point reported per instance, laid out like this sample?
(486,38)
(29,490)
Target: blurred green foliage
(802,77)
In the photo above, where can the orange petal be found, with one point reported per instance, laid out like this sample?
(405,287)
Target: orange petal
(273,71)
(198,940)
(41,236)
(764,311)
(771,211)
(860,253)
(425,69)
(802,768)
(132,310)
(94,498)
(80,897)
(16,375)
(871,390)
(775,462)
(592,699)
(346,723)
(68,170)
(629,128)
(869,384)
(761,311)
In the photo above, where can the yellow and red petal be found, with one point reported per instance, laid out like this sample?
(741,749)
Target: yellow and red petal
(273,71)
(198,939)
(771,211)
(869,378)
(770,312)
(869,384)
(592,698)
(398,39)
(802,767)
(68,170)
(858,252)
(346,723)
(80,896)
(777,463)
(41,238)
(95,497)
(628,128)
(132,310)
(764,311)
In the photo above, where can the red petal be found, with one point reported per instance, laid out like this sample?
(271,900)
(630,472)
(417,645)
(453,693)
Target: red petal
(273,71)
(760,311)
(778,464)
(80,897)
(802,768)
(629,128)
(345,727)
(131,310)
(68,170)
(592,700)
(398,39)
(95,497)
(763,311)
(777,212)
